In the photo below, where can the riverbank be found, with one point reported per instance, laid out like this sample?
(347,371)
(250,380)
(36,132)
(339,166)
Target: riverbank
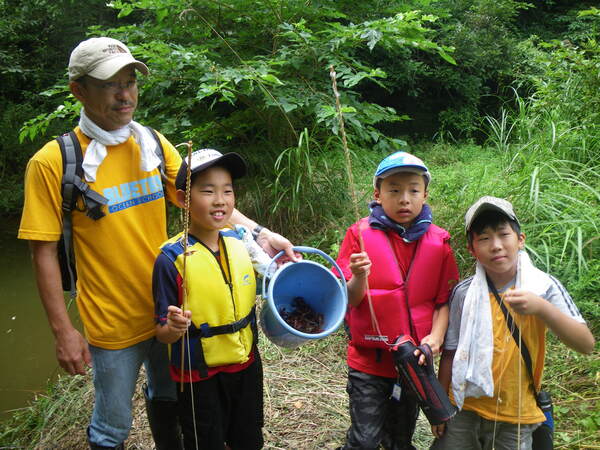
(306,405)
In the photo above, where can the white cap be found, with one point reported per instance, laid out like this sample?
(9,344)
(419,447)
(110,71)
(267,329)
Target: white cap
(489,203)
(101,58)
(207,157)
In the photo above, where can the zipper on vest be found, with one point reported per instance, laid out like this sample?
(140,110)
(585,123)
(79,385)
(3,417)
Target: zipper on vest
(228,280)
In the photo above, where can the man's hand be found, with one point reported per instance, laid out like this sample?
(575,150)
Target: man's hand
(272,243)
(524,302)
(72,352)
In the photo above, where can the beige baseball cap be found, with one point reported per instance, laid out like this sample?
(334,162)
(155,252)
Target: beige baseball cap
(489,203)
(101,58)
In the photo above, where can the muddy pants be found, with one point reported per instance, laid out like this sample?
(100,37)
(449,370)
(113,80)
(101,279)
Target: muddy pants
(377,418)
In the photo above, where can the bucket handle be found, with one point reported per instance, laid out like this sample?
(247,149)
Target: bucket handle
(301,249)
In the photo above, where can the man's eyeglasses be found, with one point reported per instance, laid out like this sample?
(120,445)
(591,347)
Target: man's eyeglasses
(114,87)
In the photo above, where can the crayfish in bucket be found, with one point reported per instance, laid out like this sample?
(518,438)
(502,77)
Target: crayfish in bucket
(302,317)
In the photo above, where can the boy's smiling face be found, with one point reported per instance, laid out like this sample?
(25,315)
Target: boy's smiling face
(212,200)
(497,250)
(402,196)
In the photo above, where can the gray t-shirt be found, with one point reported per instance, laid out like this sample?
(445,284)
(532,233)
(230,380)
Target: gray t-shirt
(556,294)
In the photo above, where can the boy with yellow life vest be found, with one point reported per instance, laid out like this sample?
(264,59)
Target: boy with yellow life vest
(408,269)
(494,350)
(222,372)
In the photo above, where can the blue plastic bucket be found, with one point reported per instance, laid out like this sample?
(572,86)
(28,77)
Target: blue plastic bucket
(316,284)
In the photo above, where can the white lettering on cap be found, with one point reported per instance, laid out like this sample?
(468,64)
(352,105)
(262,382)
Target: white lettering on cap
(203,156)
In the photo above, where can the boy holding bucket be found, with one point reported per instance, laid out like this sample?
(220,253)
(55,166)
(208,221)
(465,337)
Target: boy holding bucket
(222,371)
(398,286)
(493,356)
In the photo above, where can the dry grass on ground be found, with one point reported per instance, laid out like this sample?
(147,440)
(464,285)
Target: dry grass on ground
(306,406)
(305,402)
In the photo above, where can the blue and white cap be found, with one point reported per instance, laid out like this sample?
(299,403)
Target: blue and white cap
(401,162)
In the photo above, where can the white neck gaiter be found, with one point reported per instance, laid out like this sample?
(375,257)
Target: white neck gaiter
(96,150)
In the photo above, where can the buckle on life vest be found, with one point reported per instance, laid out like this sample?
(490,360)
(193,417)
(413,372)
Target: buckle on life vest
(205,330)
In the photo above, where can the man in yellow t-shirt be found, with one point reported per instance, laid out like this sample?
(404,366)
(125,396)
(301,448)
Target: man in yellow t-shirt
(114,254)
(482,367)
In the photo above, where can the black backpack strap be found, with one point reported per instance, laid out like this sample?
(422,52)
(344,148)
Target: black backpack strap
(72,159)
(515,332)
(73,186)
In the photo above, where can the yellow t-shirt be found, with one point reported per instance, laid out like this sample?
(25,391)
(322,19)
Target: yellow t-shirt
(114,254)
(504,405)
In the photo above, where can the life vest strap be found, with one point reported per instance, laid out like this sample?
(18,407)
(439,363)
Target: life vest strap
(206,331)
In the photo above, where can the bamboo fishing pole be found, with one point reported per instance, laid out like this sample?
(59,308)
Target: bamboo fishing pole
(186,228)
(185,339)
(338,107)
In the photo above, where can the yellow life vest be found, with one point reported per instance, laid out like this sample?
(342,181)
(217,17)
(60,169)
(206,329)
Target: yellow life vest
(221,295)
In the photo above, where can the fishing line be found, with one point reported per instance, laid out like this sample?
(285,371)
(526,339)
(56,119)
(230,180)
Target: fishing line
(349,171)
(519,283)
(185,339)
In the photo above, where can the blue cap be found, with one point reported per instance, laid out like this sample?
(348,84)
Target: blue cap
(401,162)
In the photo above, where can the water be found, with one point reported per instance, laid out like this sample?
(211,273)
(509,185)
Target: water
(26,342)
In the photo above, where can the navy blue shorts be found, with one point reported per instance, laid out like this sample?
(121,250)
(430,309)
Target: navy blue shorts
(228,408)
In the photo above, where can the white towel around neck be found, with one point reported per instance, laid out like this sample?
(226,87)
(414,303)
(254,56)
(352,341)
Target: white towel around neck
(472,365)
(96,150)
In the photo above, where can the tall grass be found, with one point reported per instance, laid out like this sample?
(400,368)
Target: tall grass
(65,407)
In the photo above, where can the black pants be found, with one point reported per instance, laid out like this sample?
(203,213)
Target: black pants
(378,419)
(228,408)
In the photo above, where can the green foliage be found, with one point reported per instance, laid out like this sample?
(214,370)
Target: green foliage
(37,37)
(565,79)
(277,84)
(572,380)
(258,79)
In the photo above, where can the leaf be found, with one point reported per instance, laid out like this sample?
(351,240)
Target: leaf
(271,79)
(372,36)
(446,56)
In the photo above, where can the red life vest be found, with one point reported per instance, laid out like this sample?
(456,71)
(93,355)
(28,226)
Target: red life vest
(400,306)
